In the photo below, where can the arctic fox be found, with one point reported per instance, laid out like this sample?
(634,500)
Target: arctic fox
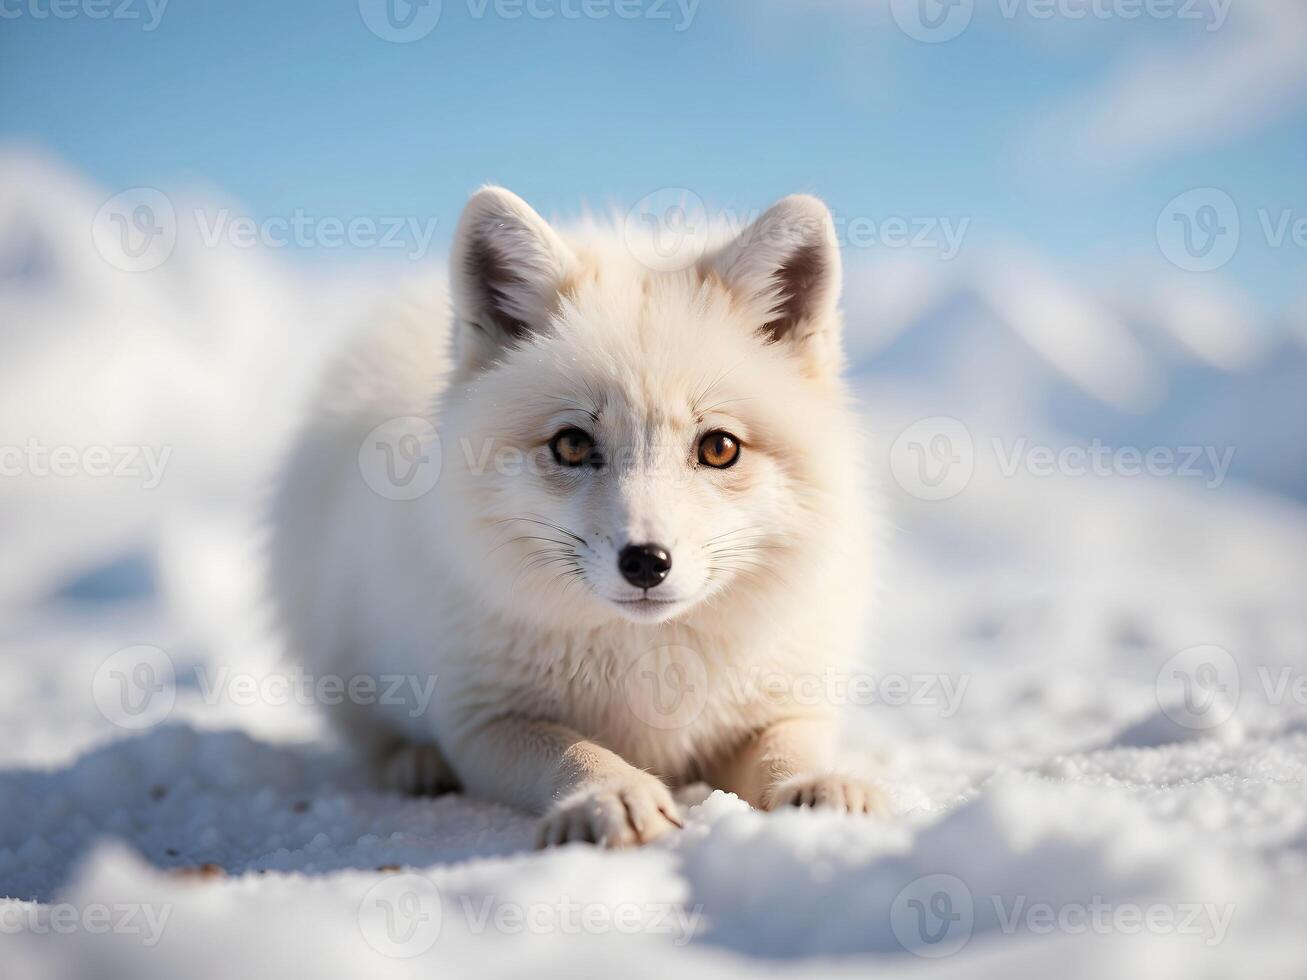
(635,542)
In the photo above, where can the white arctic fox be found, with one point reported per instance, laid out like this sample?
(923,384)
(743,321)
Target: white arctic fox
(643,556)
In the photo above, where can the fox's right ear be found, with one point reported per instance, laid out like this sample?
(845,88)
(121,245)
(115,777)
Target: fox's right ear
(506,269)
(786,267)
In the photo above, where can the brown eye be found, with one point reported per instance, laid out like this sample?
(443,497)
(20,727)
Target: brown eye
(573,447)
(719,449)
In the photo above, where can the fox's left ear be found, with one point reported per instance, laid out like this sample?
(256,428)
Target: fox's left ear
(786,265)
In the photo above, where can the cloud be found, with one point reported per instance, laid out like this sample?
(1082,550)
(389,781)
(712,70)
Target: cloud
(1206,92)
(1194,74)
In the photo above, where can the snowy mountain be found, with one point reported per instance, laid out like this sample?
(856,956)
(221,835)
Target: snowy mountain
(200,362)
(1016,348)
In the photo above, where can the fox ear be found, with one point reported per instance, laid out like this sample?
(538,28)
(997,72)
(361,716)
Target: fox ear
(786,265)
(506,268)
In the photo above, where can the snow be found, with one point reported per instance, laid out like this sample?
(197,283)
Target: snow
(1061,802)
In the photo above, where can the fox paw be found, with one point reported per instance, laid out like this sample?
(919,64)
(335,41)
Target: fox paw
(417,770)
(622,813)
(831,791)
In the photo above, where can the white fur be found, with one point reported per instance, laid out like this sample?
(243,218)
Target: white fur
(543,690)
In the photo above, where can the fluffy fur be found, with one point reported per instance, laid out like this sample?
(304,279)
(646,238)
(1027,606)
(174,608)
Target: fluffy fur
(558,688)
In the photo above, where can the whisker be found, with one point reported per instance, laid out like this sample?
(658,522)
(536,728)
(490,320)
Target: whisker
(570,578)
(529,537)
(738,530)
(549,524)
(726,401)
(758,572)
(745,549)
(591,413)
(708,390)
(538,558)
(542,561)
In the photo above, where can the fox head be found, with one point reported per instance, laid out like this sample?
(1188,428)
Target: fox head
(630,444)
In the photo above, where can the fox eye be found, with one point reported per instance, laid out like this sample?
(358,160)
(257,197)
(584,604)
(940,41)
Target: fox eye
(719,449)
(574,447)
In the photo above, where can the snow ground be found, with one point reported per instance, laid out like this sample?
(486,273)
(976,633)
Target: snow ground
(1057,806)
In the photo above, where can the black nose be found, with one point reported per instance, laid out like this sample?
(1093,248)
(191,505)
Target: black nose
(644,565)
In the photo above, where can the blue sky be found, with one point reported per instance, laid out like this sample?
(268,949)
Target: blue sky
(1067,135)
